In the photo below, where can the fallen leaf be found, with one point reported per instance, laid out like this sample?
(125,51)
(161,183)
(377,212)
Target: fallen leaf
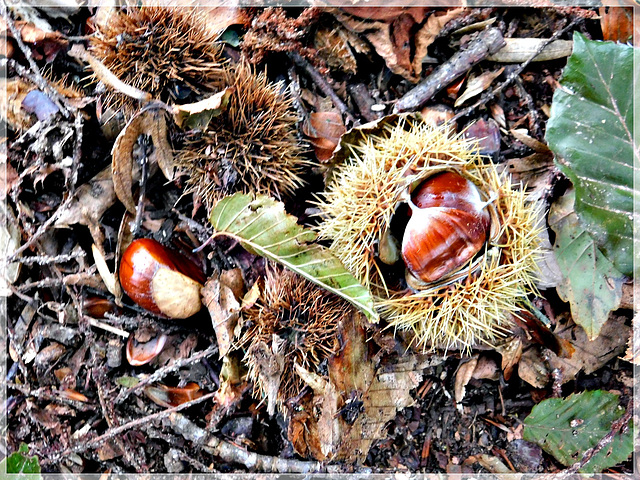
(15,90)
(429,32)
(88,204)
(532,368)
(389,13)
(44,44)
(150,122)
(10,239)
(511,352)
(463,375)
(616,23)
(231,390)
(224,309)
(590,355)
(477,85)
(110,279)
(324,130)
(198,115)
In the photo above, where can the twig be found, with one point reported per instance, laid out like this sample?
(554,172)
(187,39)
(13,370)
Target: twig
(487,96)
(38,79)
(45,259)
(322,84)
(487,42)
(77,153)
(106,327)
(231,453)
(617,427)
(166,370)
(48,457)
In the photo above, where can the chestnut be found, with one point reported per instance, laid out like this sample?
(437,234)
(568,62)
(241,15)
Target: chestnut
(161,280)
(448,226)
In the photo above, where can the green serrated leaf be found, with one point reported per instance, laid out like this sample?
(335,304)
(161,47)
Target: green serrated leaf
(591,284)
(20,463)
(566,428)
(591,130)
(263,227)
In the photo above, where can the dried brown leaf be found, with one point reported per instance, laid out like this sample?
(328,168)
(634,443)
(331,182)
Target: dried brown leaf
(429,32)
(589,356)
(477,85)
(616,23)
(464,374)
(89,203)
(387,13)
(511,352)
(198,115)
(532,368)
(173,396)
(224,309)
(324,130)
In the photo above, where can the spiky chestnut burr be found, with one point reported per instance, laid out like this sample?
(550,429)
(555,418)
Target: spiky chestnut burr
(299,321)
(467,306)
(250,147)
(168,52)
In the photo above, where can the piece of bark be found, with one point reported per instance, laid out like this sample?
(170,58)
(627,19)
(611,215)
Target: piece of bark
(487,42)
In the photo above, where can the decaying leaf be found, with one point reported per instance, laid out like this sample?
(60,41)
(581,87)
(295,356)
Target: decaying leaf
(151,122)
(198,115)
(532,368)
(430,31)
(511,351)
(616,23)
(224,309)
(518,50)
(268,361)
(15,90)
(463,375)
(477,85)
(592,285)
(590,355)
(88,204)
(324,130)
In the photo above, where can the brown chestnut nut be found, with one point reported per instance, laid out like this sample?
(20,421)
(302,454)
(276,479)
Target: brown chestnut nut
(160,280)
(448,226)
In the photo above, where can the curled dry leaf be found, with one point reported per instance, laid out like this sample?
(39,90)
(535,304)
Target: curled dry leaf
(150,122)
(463,376)
(477,85)
(173,396)
(616,23)
(198,115)
(224,309)
(511,351)
(324,130)
(88,204)
(429,32)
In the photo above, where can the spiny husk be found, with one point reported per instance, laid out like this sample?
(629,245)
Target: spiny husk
(251,147)
(361,199)
(365,190)
(303,316)
(158,50)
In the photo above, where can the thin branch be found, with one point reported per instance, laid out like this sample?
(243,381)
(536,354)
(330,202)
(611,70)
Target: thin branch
(48,457)
(231,453)
(322,84)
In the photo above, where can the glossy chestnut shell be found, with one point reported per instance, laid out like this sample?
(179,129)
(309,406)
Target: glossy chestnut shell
(161,280)
(448,226)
